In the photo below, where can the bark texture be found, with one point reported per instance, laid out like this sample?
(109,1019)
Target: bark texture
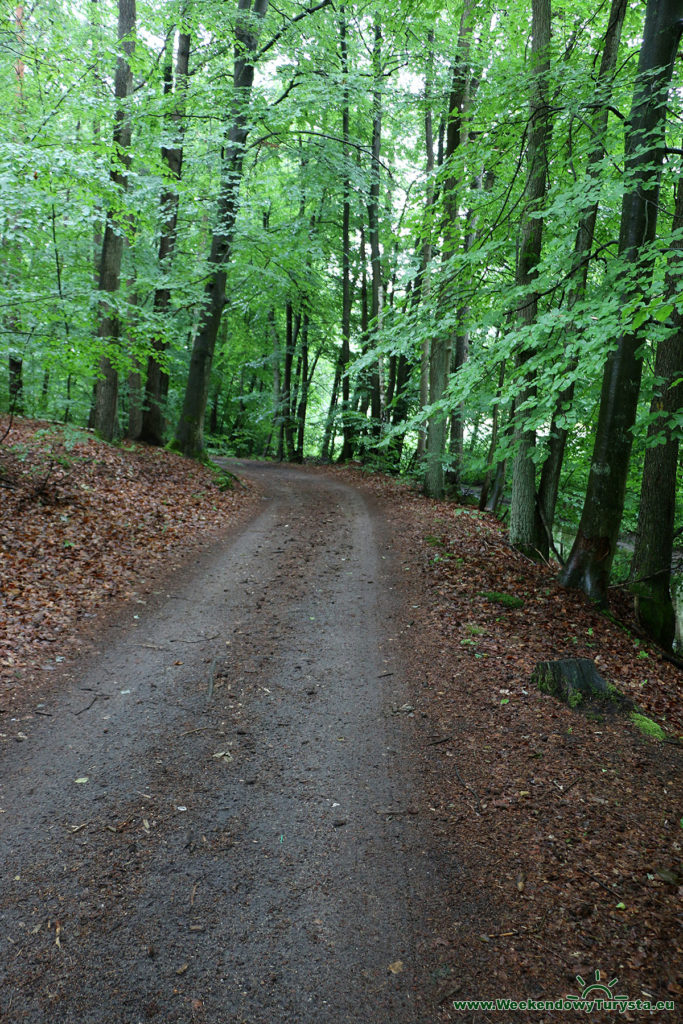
(108,328)
(442,344)
(189,434)
(550,475)
(156,383)
(651,565)
(526,530)
(590,562)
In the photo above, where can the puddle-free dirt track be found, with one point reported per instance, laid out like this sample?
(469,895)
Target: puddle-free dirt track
(216,819)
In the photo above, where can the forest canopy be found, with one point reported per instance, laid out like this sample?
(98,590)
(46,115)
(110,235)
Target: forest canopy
(441,238)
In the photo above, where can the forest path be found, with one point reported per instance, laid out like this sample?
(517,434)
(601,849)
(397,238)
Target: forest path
(285,881)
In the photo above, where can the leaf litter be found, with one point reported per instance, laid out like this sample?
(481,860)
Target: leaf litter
(86,526)
(561,835)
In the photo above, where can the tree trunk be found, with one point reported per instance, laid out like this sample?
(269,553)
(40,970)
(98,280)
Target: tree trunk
(16,385)
(345,356)
(590,561)
(303,402)
(526,530)
(552,467)
(441,345)
(651,565)
(421,281)
(461,355)
(286,435)
(328,441)
(189,435)
(156,384)
(373,223)
(108,328)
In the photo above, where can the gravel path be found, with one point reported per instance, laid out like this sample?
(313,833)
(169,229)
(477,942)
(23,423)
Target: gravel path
(216,821)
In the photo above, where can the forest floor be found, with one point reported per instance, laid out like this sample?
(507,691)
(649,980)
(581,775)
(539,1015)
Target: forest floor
(273,754)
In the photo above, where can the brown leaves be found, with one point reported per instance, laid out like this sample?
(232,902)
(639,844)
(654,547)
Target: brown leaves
(573,853)
(82,523)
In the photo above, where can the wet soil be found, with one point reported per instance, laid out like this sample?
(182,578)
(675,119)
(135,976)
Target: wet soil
(217,819)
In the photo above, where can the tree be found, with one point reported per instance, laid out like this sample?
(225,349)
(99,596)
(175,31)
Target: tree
(108,328)
(592,554)
(583,245)
(156,384)
(189,434)
(651,566)
(441,344)
(526,530)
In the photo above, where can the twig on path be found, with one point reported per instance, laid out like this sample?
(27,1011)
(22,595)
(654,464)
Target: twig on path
(395,814)
(597,881)
(463,783)
(202,640)
(98,696)
(384,675)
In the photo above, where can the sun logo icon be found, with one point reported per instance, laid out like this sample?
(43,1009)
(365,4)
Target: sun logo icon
(596,988)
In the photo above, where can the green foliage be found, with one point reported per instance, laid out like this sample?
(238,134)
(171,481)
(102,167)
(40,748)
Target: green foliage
(647,726)
(506,600)
(440,280)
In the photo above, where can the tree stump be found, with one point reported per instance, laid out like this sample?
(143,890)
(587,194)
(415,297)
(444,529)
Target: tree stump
(571,680)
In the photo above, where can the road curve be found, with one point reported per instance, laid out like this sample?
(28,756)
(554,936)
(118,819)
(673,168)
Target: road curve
(215,821)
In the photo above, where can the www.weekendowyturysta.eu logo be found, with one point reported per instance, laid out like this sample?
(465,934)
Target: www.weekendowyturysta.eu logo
(597,989)
(596,995)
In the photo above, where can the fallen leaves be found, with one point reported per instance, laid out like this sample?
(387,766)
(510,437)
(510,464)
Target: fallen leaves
(84,523)
(571,860)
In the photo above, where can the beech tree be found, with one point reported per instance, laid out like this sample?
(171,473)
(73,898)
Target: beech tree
(526,530)
(591,558)
(189,434)
(156,386)
(651,565)
(327,224)
(108,329)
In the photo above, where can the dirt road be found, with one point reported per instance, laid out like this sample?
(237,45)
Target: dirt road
(215,822)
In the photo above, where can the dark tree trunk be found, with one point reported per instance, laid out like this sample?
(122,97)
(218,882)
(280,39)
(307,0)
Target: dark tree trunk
(156,383)
(286,433)
(16,385)
(303,402)
(189,435)
(441,345)
(45,390)
(108,329)
(328,439)
(345,355)
(552,467)
(651,565)
(590,562)
(526,529)
(67,406)
(373,223)
(421,281)
(461,355)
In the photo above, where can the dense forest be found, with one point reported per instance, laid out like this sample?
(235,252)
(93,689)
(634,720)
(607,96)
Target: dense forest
(441,238)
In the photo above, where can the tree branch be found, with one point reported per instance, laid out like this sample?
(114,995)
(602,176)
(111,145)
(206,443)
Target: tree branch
(278,35)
